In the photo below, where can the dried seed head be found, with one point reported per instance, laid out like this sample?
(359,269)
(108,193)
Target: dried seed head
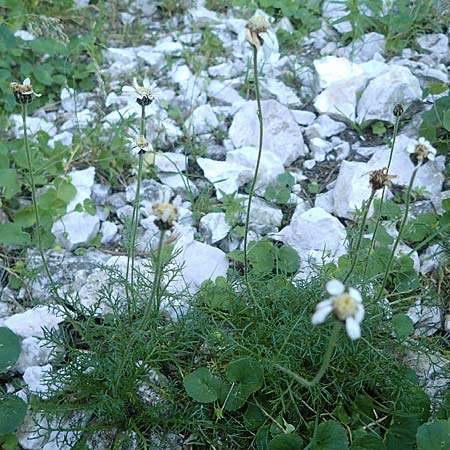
(23,93)
(380,178)
(398,110)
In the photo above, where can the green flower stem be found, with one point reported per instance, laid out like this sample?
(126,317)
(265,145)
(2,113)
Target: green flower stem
(325,362)
(135,217)
(134,224)
(155,301)
(258,161)
(383,192)
(400,231)
(33,195)
(360,235)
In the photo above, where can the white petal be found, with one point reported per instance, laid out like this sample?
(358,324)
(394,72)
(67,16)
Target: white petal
(128,89)
(36,95)
(135,83)
(359,316)
(320,315)
(355,294)
(431,156)
(146,83)
(26,82)
(411,148)
(335,287)
(353,328)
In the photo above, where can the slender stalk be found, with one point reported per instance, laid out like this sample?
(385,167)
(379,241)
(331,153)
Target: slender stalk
(325,362)
(129,276)
(134,224)
(360,235)
(33,195)
(154,300)
(399,236)
(258,160)
(383,192)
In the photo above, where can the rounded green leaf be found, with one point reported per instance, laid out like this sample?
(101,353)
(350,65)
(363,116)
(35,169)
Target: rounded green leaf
(248,372)
(9,348)
(403,325)
(202,385)
(434,436)
(289,261)
(290,441)
(330,436)
(12,412)
(368,442)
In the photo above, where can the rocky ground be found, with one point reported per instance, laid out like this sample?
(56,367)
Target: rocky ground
(318,106)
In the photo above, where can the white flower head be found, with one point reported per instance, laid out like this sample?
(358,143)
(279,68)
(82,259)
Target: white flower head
(255,26)
(23,92)
(166,215)
(346,306)
(421,150)
(145,94)
(140,145)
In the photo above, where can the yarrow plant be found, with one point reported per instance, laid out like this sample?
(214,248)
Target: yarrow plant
(347,306)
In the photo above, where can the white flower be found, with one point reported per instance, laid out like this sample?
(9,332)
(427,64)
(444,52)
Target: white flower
(140,145)
(145,93)
(346,306)
(422,149)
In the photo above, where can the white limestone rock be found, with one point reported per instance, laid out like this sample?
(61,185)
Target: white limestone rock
(325,200)
(315,230)
(398,85)
(34,124)
(202,120)
(225,176)
(365,48)
(332,69)
(434,43)
(223,93)
(214,227)
(151,192)
(324,127)
(284,94)
(75,229)
(334,10)
(169,48)
(352,189)
(282,135)
(83,182)
(245,157)
(304,118)
(203,17)
(340,98)
(109,231)
(32,322)
(72,101)
(320,148)
(264,217)
(81,119)
(33,352)
(170,162)
(427,319)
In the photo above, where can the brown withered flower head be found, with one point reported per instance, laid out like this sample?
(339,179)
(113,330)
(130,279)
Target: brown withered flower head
(378,179)
(398,110)
(23,93)
(255,26)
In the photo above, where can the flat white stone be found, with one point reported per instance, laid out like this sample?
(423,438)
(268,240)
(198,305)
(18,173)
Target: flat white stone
(31,322)
(75,229)
(282,136)
(302,233)
(202,120)
(380,96)
(214,227)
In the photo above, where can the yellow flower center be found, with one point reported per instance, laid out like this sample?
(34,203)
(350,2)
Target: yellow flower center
(344,306)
